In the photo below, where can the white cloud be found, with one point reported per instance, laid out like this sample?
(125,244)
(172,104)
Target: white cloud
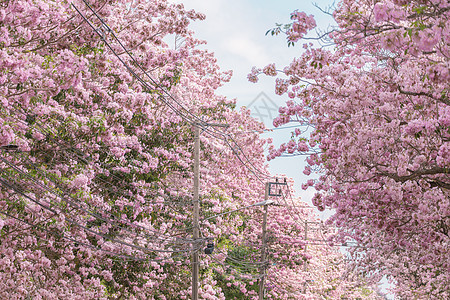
(246,48)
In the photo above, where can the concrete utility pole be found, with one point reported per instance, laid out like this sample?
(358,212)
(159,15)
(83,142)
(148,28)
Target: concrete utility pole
(306,236)
(263,249)
(268,192)
(195,261)
(196,203)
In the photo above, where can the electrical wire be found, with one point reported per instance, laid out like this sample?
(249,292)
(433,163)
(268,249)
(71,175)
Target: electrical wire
(237,150)
(104,236)
(238,261)
(290,211)
(323,240)
(47,130)
(35,167)
(231,258)
(48,207)
(68,238)
(124,257)
(162,89)
(267,129)
(235,271)
(76,153)
(73,203)
(233,148)
(292,200)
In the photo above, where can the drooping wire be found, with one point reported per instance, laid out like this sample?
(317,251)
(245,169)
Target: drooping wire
(68,238)
(125,257)
(75,223)
(321,227)
(72,202)
(290,210)
(236,148)
(35,167)
(235,271)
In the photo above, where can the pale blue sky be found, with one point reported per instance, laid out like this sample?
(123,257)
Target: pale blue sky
(235,32)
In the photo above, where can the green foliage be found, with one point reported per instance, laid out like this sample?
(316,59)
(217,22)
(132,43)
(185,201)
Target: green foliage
(84,49)
(420,9)
(126,274)
(232,291)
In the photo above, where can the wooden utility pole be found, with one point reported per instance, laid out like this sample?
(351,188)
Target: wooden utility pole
(263,249)
(195,260)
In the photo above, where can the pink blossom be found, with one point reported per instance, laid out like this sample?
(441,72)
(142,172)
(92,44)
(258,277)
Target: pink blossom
(270,70)
(80,180)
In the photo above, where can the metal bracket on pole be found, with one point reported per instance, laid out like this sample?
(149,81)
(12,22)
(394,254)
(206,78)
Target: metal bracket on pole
(273,187)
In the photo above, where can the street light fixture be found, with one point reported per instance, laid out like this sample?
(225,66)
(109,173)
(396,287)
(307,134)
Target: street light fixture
(9,147)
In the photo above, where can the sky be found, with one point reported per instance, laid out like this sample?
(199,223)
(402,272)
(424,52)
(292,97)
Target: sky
(235,30)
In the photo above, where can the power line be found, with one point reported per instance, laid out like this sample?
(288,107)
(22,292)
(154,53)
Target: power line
(104,236)
(74,205)
(236,271)
(289,210)
(73,201)
(77,242)
(76,153)
(237,150)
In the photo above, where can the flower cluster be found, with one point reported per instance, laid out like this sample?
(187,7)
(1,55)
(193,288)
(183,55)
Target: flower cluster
(374,116)
(96,184)
(301,25)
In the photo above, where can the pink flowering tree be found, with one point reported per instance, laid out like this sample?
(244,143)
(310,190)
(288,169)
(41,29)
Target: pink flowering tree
(96,145)
(95,169)
(373,121)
